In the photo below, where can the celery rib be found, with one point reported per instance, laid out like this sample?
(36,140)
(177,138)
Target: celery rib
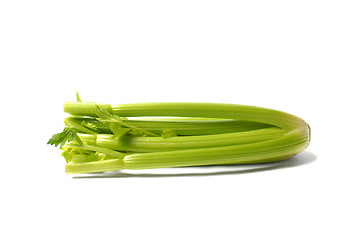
(260,152)
(180,126)
(204,110)
(160,144)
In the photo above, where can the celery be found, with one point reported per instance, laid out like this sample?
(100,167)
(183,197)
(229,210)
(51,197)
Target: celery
(102,137)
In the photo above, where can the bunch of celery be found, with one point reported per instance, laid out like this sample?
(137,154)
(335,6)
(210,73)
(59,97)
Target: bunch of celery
(104,137)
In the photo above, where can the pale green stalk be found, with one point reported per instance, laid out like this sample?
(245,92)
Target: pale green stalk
(160,144)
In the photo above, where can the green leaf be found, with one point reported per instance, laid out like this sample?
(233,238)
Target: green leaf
(117,129)
(67,135)
(105,116)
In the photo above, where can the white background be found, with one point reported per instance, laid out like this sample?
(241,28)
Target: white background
(301,57)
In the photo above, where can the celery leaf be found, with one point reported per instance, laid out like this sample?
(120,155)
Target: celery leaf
(67,135)
(117,129)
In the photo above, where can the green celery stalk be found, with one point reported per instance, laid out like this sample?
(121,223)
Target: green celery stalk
(160,144)
(180,126)
(277,149)
(204,110)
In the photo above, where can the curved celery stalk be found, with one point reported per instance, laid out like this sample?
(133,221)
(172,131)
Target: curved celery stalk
(295,139)
(204,110)
(160,144)
(180,126)
(277,149)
